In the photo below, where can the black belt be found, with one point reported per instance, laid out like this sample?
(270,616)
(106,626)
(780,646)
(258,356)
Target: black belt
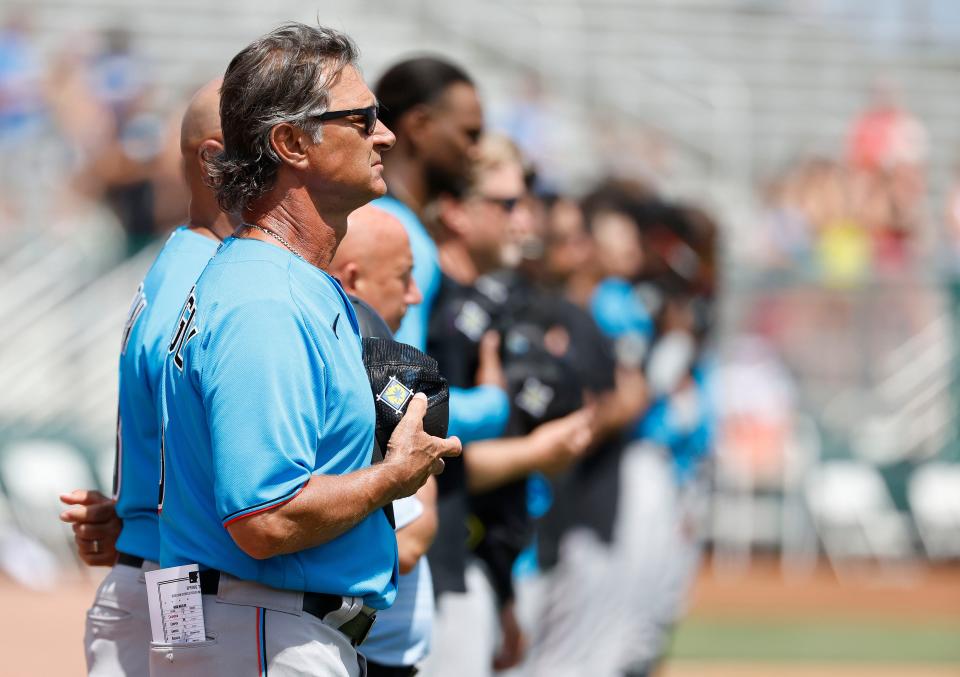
(375,669)
(317,604)
(129,560)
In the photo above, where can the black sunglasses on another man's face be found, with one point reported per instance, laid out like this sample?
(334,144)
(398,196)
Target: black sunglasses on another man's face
(506,203)
(369,116)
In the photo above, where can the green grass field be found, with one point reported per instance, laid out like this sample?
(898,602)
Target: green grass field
(812,640)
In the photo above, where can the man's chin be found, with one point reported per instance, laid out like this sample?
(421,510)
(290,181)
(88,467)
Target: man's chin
(378,188)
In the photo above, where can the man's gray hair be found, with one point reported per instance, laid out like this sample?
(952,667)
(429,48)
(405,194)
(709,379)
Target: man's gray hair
(284,76)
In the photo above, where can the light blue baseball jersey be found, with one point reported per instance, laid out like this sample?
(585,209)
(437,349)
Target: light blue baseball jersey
(145,337)
(684,423)
(401,635)
(264,386)
(426,272)
(475,413)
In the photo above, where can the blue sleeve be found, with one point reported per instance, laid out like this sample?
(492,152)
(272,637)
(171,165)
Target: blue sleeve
(704,436)
(656,424)
(262,384)
(426,273)
(479,413)
(692,450)
(617,310)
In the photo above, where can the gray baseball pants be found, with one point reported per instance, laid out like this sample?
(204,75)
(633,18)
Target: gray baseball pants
(252,629)
(466,630)
(117,633)
(608,607)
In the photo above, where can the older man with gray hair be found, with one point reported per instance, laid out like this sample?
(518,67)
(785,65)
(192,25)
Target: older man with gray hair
(267,414)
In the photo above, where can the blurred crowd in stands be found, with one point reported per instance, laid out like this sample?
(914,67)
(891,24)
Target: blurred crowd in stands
(92,107)
(90,110)
(844,218)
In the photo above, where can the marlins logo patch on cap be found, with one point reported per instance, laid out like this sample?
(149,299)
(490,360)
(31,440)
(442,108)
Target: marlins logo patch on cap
(395,395)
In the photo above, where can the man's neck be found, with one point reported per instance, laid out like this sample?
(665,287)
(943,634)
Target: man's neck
(456,262)
(406,180)
(295,219)
(217,227)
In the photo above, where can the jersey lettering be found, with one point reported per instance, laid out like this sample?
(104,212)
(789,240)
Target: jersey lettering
(118,459)
(137,307)
(163,472)
(186,329)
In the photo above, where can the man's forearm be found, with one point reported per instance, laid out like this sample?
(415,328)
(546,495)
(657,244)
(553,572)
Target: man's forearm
(415,539)
(493,463)
(328,506)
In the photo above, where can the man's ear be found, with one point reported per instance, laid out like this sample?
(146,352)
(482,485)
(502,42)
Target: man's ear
(290,143)
(206,151)
(451,215)
(350,277)
(416,125)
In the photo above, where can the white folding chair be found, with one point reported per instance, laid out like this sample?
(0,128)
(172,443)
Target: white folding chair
(35,472)
(855,515)
(934,495)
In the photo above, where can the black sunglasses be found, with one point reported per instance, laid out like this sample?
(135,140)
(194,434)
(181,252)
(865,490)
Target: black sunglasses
(369,116)
(506,203)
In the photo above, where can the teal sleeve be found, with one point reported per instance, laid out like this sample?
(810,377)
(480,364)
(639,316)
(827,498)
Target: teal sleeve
(618,310)
(478,413)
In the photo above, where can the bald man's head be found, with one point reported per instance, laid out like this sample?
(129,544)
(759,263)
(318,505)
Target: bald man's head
(201,137)
(201,120)
(374,262)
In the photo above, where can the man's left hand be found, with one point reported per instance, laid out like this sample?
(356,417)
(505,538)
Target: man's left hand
(96,526)
(514,641)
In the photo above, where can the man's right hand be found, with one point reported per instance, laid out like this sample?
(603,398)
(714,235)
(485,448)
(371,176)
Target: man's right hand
(96,526)
(414,454)
(623,405)
(564,440)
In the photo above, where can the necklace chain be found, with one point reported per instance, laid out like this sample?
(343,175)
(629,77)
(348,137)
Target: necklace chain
(277,237)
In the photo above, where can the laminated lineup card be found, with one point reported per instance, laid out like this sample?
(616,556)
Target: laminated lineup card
(176,606)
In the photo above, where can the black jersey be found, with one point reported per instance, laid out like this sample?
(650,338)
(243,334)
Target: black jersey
(542,386)
(450,341)
(587,494)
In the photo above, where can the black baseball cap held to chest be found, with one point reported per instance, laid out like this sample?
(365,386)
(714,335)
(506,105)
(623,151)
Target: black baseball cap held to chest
(397,372)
